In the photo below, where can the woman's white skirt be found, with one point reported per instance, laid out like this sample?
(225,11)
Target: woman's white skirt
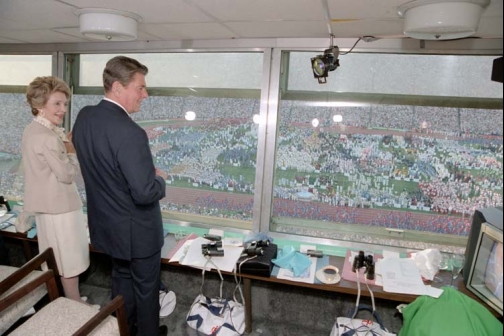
(67,234)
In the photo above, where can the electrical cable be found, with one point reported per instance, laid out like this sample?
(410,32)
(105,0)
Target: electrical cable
(349,51)
(358,294)
(238,282)
(372,301)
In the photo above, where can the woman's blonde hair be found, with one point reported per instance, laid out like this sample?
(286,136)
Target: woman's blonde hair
(41,88)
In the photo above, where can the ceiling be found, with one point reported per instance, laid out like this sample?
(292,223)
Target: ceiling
(54,21)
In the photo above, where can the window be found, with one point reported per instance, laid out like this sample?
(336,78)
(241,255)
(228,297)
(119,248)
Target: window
(394,150)
(16,72)
(199,120)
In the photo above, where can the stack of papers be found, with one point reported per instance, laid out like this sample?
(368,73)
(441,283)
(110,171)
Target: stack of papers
(189,254)
(401,275)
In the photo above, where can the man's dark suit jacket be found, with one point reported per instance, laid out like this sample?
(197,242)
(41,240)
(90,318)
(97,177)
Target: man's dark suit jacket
(122,189)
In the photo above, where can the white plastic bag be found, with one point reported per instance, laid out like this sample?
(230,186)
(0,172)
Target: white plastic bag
(358,327)
(217,316)
(428,262)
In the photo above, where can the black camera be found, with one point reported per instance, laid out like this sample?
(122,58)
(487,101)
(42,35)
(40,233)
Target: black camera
(254,249)
(213,249)
(367,262)
(261,243)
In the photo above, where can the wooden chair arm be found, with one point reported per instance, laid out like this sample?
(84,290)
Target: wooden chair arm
(35,263)
(116,305)
(46,277)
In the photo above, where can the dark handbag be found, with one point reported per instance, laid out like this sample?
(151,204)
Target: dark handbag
(260,265)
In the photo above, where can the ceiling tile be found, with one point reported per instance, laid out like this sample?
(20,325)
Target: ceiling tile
(490,27)
(494,9)
(151,11)
(262,10)
(41,36)
(281,29)
(54,21)
(6,24)
(364,9)
(358,28)
(188,31)
(6,40)
(44,14)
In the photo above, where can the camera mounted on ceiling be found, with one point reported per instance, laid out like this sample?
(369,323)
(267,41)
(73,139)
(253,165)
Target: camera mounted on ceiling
(322,64)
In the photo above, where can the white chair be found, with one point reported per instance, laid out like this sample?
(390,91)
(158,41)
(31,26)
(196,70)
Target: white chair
(61,316)
(14,312)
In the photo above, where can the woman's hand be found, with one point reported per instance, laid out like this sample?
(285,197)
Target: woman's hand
(69,145)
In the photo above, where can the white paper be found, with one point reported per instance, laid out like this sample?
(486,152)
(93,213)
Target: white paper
(216,232)
(194,257)
(402,276)
(232,241)
(181,252)
(378,276)
(390,254)
(307,277)
(434,292)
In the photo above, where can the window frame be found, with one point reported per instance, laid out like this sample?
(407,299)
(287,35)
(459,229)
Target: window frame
(280,66)
(270,85)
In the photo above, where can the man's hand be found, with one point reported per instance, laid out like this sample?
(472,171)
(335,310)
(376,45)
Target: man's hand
(161,173)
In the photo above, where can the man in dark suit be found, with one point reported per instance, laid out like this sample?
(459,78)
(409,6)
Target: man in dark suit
(123,190)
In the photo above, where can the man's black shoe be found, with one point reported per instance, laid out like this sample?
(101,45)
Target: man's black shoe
(163,330)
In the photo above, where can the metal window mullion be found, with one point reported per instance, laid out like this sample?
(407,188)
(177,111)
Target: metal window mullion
(261,142)
(58,70)
(271,129)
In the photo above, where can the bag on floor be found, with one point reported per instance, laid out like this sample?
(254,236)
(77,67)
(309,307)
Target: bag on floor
(217,316)
(346,326)
(352,326)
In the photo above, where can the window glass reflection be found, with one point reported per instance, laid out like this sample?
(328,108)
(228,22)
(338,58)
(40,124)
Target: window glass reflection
(370,172)
(207,144)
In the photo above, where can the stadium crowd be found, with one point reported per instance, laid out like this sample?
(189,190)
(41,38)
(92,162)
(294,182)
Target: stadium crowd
(399,159)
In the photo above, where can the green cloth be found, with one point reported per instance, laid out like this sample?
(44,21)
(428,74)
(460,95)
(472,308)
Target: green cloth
(452,314)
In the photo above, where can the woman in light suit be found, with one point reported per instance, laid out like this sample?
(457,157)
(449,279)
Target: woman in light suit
(50,168)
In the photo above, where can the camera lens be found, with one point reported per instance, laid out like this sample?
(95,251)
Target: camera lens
(319,66)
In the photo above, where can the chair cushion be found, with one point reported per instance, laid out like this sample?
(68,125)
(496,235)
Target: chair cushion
(9,316)
(64,317)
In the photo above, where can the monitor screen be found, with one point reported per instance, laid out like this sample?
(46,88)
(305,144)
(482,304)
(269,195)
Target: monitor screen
(493,272)
(485,278)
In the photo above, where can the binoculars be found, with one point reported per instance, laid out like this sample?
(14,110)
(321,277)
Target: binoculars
(367,262)
(213,249)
